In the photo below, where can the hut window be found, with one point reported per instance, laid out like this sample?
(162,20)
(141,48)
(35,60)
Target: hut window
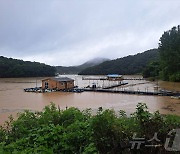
(62,83)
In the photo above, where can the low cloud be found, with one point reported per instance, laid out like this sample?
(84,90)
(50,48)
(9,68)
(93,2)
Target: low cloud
(72,32)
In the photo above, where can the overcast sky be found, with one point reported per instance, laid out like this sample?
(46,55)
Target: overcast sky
(70,32)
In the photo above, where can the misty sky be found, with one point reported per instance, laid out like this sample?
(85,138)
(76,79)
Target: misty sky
(70,32)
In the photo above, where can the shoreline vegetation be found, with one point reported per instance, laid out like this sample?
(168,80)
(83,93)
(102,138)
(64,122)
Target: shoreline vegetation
(73,131)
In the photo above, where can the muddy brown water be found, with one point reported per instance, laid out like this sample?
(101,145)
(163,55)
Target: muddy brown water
(13,99)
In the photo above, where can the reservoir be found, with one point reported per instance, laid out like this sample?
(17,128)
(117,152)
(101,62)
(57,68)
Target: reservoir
(13,99)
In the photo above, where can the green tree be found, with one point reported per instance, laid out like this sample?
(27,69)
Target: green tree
(169,49)
(151,70)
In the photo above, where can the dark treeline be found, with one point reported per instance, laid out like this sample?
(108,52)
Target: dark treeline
(127,65)
(73,131)
(18,68)
(167,67)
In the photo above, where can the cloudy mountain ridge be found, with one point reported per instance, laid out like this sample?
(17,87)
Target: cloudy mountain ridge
(79,68)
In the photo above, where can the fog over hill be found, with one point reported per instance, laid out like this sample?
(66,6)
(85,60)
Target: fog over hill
(132,64)
(79,68)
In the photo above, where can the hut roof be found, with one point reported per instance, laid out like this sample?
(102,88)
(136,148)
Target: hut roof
(114,75)
(61,79)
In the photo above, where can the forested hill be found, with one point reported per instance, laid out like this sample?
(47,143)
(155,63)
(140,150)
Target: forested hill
(18,68)
(126,65)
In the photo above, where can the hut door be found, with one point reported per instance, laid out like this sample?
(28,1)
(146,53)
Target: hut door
(66,87)
(46,85)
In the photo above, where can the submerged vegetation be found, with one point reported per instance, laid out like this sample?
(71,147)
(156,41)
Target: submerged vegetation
(74,131)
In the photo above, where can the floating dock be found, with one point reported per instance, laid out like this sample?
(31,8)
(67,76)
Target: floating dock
(107,90)
(83,78)
(40,90)
(169,93)
(114,86)
(134,79)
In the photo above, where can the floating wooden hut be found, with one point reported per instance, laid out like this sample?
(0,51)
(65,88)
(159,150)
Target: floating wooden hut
(62,83)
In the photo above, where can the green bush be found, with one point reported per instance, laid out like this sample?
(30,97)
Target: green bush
(175,77)
(74,131)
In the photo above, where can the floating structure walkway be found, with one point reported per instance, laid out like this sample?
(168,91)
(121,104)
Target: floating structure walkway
(114,86)
(108,90)
(133,79)
(83,78)
(103,78)
(164,93)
